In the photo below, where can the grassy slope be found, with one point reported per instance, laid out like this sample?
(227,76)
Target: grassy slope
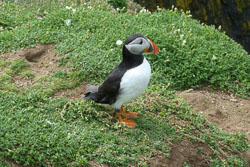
(38,129)
(207,57)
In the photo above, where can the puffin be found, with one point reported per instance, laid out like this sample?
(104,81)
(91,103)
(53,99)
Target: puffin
(127,80)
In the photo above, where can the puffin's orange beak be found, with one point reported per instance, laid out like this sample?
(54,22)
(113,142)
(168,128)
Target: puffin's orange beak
(153,48)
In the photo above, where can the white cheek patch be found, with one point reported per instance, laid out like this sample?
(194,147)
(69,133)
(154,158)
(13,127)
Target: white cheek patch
(136,48)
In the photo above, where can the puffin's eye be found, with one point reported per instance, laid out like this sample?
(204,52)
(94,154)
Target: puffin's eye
(141,42)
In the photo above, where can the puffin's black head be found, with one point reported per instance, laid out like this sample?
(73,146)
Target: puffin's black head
(138,44)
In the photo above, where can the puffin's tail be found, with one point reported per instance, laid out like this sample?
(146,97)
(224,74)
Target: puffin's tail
(93,94)
(91,91)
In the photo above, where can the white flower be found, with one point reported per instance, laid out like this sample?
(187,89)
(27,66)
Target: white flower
(158,8)
(51,123)
(181,36)
(118,42)
(184,42)
(143,11)
(178,30)
(118,9)
(68,7)
(214,57)
(1,28)
(74,11)
(175,31)
(68,22)
(39,17)
(90,7)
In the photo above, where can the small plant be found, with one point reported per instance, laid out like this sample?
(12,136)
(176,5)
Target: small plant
(27,74)
(18,65)
(4,63)
(118,4)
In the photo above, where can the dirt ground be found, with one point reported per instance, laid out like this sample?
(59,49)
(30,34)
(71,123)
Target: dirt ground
(184,151)
(41,59)
(230,113)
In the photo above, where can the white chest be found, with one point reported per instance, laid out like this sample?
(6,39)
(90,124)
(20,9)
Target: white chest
(133,83)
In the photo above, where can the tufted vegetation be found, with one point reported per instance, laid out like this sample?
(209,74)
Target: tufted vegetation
(37,129)
(191,55)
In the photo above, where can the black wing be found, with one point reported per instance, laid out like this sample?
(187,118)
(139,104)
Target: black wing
(109,89)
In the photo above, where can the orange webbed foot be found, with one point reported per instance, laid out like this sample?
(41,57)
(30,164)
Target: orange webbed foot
(132,114)
(129,122)
(126,121)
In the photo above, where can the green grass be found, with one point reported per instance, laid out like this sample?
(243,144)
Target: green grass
(191,55)
(4,63)
(18,65)
(12,68)
(37,129)
(49,85)
(27,74)
(41,130)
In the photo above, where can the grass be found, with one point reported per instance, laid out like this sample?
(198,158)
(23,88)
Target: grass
(49,85)
(18,65)
(40,130)
(27,74)
(191,55)
(37,129)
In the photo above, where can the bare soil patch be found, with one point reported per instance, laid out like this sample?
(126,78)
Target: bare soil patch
(230,113)
(41,59)
(76,93)
(96,164)
(184,151)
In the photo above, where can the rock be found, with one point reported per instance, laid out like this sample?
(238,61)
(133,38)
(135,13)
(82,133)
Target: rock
(232,16)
